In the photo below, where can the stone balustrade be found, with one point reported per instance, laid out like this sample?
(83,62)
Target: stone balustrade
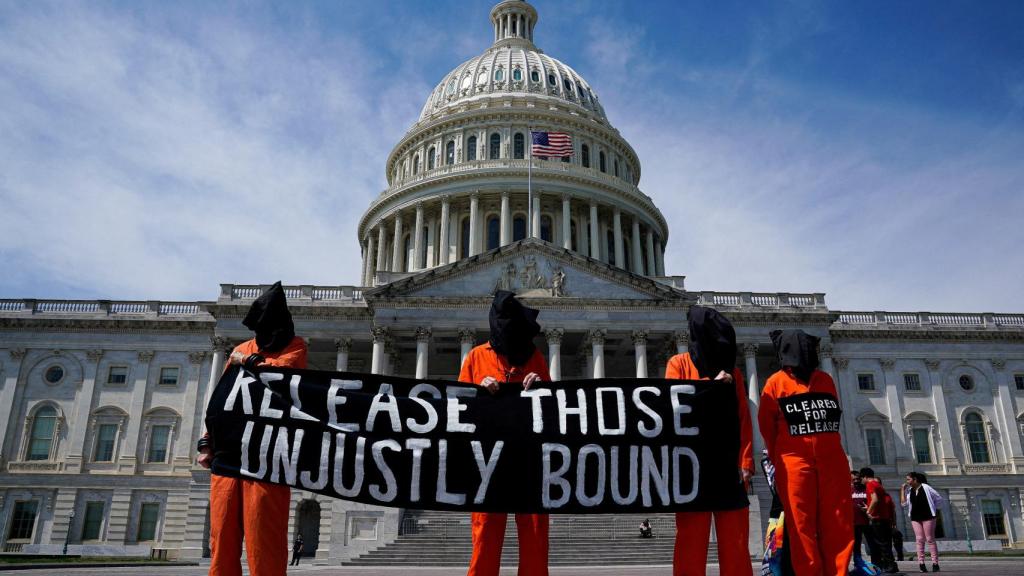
(957,320)
(148,308)
(763,300)
(307,293)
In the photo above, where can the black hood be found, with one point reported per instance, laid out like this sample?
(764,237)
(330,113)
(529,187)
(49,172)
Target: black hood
(269,318)
(513,327)
(712,342)
(797,350)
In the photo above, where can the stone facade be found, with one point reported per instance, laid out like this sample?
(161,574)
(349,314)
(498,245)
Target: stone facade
(101,402)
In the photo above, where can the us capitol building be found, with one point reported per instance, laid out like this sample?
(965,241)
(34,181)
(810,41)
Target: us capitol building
(102,401)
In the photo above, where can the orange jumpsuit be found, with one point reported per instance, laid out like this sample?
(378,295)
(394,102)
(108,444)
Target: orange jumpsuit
(732,527)
(489,527)
(811,478)
(258,510)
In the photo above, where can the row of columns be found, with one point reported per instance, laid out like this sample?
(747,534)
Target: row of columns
(376,259)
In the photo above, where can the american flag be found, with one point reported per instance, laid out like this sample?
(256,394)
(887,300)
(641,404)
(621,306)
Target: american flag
(549,144)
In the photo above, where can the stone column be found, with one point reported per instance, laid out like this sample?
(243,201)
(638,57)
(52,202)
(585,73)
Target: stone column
(474,223)
(566,223)
(754,394)
(904,455)
(381,334)
(535,216)
(581,235)
(682,341)
(595,232)
(651,268)
(342,347)
(371,257)
(1007,416)
(221,348)
(83,408)
(191,413)
(422,350)
(851,438)
(640,345)
(417,240)
(554,338)
(597,337)
(659,258)
(396,250)
(467,339)
(638,253)
(620,253)
(432,241)
(506,220)
(130,454)
(444,233)
(11,375)
(382,256)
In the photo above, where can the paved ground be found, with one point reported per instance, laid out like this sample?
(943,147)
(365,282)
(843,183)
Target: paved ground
(971,567)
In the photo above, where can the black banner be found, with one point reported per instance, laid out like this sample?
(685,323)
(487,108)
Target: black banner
(811,413)
(583,446)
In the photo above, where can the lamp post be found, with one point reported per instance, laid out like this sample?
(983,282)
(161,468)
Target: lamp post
(71,520)
(965,512)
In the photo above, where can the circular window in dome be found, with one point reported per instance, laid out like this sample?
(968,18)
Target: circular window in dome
(499,75)
(54,374)
(451,87)
(966,383)
(534,75)
(517,75)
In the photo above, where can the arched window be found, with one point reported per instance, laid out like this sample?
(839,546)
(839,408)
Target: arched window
(493,232)
(495,148)
(585,156)
(517,74)
(471,148)
(977,443)
(449,153)
(611,247)
(430,158)
(535,75)
(518,227)
(499,74)
(601,161)
(519,146)
(464,240)
(416,164)
(546,227)
(41,436)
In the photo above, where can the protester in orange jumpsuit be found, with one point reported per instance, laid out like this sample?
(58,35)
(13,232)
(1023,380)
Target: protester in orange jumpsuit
(799,420)
(509,358)
(239,506)
(712,354)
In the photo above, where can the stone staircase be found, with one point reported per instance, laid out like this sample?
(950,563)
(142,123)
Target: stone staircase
(443,539)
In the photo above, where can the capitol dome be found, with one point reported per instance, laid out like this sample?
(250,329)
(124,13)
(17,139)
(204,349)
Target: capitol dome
(461,180)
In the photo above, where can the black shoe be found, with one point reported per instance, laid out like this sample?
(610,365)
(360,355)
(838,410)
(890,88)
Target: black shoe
(923,567)
(935,567)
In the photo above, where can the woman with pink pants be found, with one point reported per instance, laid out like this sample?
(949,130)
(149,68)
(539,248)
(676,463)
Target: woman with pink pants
(922,503)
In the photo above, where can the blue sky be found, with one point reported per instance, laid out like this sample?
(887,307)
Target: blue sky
(870,150)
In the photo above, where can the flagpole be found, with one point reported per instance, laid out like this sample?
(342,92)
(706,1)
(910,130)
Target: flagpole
(529,188)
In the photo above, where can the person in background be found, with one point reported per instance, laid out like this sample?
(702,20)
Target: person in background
(897,536)
(712,356)
(645,529)
(239,506)
(511,359)
(296,550)
(861,525)
(881,522)
(805,449)
(922,503)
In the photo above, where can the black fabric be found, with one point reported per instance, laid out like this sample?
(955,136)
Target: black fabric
(513,327)
(269,318)
(586,446)
(712,344)
(919,508)
(798,350)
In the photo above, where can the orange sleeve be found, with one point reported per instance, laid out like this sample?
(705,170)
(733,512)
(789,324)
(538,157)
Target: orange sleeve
(674,368)
(466,372)
(746,430)
(768,418)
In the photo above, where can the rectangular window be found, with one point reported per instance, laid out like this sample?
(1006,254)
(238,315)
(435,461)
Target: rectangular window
(23,521)
(876,446)
(158,444)
(117,375)
(865,381)
(1018,379)
(148,515)
(912,382)
(106,434)
(169,376)
(922,446)
(992,516)
(93,521)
